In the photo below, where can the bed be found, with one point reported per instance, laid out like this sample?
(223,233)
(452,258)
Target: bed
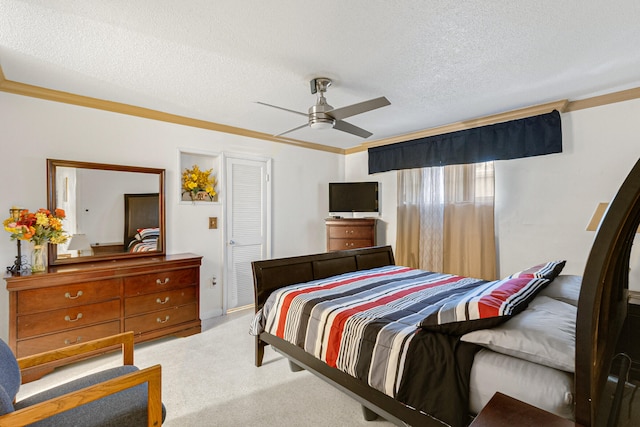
(141,222)
(600,304)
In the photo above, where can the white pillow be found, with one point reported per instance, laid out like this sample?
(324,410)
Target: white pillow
(565,287)
(541,386)
(543,333)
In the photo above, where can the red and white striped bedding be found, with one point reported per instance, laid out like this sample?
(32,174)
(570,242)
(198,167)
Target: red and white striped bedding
(367,323)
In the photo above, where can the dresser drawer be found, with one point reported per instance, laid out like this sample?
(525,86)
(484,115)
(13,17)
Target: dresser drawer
(161,319)
(58,320)
(350,232)
(43,299)
(160,281)
(342,244)
(159,301)
(63,339)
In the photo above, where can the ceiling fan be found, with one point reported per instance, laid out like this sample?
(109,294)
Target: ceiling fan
(324,116)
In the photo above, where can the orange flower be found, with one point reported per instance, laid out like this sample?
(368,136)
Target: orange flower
(39,227)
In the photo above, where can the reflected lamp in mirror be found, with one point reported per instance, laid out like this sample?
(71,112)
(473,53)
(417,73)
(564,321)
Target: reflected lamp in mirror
(80,243)
(601,209)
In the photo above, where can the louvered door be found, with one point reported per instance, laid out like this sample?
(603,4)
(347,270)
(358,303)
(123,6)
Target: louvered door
(248,225)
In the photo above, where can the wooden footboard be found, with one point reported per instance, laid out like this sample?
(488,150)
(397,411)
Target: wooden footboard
(602,307)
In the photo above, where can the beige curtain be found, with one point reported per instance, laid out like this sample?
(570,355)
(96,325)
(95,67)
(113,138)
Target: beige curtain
(419,218)
(446,220)
(469,232)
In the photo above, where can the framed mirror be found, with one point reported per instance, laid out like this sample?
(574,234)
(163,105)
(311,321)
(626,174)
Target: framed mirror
(112,211)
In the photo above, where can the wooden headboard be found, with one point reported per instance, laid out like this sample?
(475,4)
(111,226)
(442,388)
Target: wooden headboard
(140,211)
(269,275)
(602,307)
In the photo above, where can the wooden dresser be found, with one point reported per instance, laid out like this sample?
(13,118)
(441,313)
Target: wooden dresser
(350,233)
(151,296)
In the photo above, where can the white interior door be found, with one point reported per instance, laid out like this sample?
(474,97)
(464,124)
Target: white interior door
(248,225)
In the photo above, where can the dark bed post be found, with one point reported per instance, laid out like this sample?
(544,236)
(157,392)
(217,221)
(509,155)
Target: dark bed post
(260,345)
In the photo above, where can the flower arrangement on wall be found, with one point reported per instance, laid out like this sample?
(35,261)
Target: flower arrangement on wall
(199,184)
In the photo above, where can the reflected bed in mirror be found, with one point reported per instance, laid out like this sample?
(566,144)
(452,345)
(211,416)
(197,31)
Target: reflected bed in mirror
(113,211)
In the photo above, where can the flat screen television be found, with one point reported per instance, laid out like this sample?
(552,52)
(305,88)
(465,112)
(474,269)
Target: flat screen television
(353,197)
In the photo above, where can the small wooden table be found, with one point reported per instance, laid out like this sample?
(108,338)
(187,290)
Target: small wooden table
(505,411)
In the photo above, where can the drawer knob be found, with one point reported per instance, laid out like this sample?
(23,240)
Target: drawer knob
(166,319)
(162,282)
(69,296)
(69,319)
(159,301)
(68,342)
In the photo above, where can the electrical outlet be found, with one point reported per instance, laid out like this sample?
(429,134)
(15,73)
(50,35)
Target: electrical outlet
(213,222)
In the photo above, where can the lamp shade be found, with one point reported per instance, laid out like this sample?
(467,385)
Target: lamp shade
(79,242)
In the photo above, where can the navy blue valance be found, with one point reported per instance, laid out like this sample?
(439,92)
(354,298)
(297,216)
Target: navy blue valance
(531,136)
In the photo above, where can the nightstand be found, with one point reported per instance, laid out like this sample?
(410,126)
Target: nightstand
(505,411)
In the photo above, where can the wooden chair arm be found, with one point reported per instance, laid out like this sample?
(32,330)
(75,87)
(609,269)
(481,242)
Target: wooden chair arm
(152,376)
(124,339)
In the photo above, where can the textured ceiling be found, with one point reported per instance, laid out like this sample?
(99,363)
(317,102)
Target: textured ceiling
(437,61)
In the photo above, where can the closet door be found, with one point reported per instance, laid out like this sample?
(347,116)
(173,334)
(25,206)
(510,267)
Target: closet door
(248,225)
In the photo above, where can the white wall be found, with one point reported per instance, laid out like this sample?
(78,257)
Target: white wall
(543,204)
(34,130)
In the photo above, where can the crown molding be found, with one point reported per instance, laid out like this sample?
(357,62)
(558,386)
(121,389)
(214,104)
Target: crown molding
(147,113)
(609,98)
(116,107)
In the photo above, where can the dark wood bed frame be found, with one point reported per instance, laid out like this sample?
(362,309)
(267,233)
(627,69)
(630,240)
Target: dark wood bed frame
(602,309)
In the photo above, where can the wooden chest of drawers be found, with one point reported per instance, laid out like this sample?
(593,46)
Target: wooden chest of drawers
(350,233)
(151,296)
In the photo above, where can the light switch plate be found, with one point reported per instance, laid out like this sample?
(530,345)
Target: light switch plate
(213,222)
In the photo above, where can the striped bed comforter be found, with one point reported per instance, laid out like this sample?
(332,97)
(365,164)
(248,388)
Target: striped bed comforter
(374,325)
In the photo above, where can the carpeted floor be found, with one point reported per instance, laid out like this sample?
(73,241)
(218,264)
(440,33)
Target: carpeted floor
(209,379)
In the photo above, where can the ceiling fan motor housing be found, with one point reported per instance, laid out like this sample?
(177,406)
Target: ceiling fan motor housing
(318,117)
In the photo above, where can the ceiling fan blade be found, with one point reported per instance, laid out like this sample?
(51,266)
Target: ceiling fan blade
(360,107)
(352,129)
(291,130)
(280,108)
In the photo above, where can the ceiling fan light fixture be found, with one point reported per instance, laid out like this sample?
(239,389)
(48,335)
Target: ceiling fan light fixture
(322,124)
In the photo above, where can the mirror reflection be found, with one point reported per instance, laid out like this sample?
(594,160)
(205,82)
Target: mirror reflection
(111,211)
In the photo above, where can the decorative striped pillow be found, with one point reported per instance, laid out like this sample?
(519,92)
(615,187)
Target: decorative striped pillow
(491,303)
(549,270)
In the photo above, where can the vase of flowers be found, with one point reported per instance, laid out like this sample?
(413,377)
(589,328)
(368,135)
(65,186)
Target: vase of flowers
(198,184)
(39,228)
(39,258)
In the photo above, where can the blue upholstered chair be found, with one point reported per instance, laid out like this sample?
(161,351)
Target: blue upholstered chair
(121,396)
